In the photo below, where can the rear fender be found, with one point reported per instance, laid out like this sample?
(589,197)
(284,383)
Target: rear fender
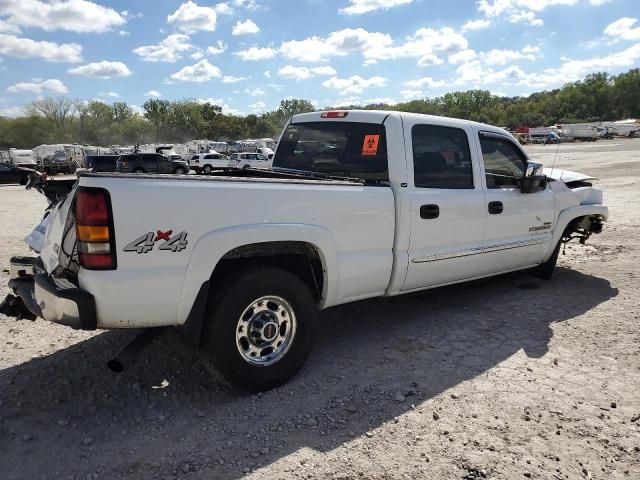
(213,246)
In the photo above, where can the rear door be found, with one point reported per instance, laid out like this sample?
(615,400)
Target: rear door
(519,225)
(447,203)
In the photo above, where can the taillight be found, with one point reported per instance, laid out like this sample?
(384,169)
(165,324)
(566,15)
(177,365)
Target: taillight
(333,114)
(94,229)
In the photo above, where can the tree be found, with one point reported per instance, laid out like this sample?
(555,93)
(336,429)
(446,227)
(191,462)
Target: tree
(58,110)
(156,111)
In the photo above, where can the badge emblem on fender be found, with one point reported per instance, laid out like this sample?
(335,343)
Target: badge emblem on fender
(147,242)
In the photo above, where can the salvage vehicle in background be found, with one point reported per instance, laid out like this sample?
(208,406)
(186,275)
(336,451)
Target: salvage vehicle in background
(250,160)
(13,174)
(400,202)
(150,163)
(208,162)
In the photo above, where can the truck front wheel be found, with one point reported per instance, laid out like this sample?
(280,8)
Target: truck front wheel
(546,269)
(259,329)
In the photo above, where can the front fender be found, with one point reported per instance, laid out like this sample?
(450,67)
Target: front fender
(211,247)
(567,215)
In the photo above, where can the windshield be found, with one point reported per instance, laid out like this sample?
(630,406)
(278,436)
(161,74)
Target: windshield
(337,148)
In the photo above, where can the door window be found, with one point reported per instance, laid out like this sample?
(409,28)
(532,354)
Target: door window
(441,157)
(4,167)
(504,163)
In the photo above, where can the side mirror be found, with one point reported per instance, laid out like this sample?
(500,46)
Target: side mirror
(534,180)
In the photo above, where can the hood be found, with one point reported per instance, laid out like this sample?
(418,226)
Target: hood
(567,176)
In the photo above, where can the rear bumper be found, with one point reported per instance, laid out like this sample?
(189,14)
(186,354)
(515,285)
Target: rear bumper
(52,298)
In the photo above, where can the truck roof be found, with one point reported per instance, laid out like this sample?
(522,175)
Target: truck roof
(378,116)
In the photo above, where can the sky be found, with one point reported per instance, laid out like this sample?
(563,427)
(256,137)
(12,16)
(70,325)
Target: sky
(247,55)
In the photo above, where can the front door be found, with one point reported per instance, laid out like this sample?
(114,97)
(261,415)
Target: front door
(447,200)
(519,225)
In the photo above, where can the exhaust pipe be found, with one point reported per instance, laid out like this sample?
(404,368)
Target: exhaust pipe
(132,349)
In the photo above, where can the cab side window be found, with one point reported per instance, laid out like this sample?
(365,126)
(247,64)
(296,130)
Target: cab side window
(441,157)
(504,163)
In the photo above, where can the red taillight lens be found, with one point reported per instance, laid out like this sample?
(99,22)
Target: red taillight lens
(94,229)
(333,114)
(91,208)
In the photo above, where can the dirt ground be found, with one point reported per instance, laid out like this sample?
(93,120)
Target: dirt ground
(506,378)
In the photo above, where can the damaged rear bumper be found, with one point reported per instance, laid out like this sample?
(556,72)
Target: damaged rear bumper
(55,299)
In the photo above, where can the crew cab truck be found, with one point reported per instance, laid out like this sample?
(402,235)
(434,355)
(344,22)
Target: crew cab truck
(392,203)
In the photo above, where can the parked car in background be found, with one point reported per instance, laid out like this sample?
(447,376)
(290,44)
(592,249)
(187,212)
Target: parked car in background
(150,163)
(253,160)
(208,162)
(12,174)
(102,163)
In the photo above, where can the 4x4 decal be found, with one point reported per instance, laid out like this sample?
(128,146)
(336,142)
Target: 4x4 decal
(146,242)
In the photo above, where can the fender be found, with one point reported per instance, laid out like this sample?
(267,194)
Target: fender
(569,214)
(212,246)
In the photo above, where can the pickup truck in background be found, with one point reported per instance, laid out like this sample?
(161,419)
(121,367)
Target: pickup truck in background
(358,204)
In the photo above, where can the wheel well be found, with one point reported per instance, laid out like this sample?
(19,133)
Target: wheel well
(300,258)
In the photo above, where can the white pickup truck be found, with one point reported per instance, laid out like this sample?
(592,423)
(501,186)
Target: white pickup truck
(358,204)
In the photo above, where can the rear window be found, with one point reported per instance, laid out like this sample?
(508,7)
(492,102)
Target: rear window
(338,148)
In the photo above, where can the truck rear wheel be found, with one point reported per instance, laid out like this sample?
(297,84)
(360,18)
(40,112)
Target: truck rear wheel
(207,169)
(259,328)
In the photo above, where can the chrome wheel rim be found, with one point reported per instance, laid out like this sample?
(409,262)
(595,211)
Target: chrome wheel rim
(265,331)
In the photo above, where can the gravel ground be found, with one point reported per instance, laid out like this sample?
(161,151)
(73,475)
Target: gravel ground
(506,378)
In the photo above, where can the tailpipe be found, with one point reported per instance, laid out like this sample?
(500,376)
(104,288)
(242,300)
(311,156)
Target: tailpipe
(131,350)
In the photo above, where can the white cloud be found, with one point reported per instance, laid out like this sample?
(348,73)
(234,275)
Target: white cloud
(12,112)
(258,106)
(52,52)
(257,53)
(113,94)
(267,73)
(104,69)
(301,73)
(80,16)
(354,84)
(412,94)
(153,94)
(526,17)
(425,45)
(191,17)
(6,27)
(357,7)
(462,56)
(623,29)
(502,57)
(232,79)
(245,28)
(424,82)
(378,100)
(197,55)
(226,109)
(217,49)
(223,9)
(479,24)
(52,85)
(199,72)
(256,92)
(251,5)
(168,50)
(338,43)
(477,72)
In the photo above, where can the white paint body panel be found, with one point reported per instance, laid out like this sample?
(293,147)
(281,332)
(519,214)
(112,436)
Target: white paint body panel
(368,237)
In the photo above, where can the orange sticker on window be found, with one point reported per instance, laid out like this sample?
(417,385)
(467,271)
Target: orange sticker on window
(370,145)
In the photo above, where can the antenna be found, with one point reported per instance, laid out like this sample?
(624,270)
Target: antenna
(555,157)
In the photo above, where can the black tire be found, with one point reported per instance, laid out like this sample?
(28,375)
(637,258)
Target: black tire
(179,171)
(546,269)
(220,348)
(138,170)
(207,170)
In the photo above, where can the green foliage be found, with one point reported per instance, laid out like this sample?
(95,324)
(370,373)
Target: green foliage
(599,97)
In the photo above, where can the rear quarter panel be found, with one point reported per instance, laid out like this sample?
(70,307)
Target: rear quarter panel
(352,226)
